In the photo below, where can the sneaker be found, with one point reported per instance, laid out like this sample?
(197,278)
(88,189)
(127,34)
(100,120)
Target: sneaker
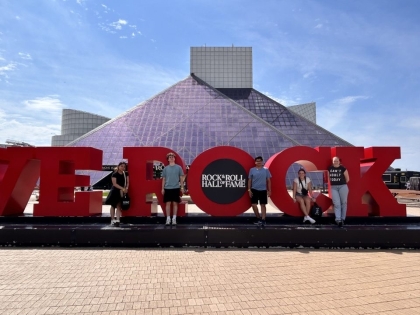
(340,224)
(262,222)
(112,222)
(117,223)
(257,222)
(310,220)
(168,221)
(174,221)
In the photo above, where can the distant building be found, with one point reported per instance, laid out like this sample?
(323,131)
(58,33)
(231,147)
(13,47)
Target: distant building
(74,124)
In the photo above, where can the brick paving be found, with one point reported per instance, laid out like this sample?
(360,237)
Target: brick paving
(208,281)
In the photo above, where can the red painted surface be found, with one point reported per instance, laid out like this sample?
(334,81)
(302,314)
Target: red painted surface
(19,172)
(194,181)
(58,180)
(20,168)
(142,184)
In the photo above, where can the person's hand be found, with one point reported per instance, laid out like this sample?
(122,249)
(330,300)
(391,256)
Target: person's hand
(268,193)
(163,191)
(294,199)
(182,190)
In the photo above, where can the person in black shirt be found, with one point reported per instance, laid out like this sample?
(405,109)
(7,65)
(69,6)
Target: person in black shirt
(339,177)
(119,187)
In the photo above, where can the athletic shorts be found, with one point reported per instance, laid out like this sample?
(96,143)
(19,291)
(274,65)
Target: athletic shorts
(259,195)
(172,195)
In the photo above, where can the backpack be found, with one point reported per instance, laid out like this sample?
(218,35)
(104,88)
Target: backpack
(316,211)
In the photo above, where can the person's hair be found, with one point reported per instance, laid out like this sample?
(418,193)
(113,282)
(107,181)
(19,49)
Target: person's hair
(336,157)
(170,154)
(301,170)
(258,158)
(116,168)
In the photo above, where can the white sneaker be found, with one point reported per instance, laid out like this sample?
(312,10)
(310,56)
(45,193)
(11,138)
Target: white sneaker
(308,218)
(168,221)
(174,221)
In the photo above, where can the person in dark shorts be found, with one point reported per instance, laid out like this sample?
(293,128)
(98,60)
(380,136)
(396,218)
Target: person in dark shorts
(172,186)
(259,189)
(119,186)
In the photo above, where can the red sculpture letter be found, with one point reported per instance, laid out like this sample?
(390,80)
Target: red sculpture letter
(58,180)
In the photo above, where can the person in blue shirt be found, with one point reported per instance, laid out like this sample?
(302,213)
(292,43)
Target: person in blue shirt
(172,186)
(259,189)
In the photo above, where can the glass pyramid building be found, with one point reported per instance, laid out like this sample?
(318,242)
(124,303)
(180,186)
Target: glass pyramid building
(192,116)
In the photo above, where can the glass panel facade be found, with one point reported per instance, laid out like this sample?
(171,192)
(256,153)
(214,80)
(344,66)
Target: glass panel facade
(191,117)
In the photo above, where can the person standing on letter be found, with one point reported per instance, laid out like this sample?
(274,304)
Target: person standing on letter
(172,186)
(259,189)
(339,177)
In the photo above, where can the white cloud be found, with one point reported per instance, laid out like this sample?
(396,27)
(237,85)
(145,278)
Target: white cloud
(48,103)
(17,17)
(333,113)
(8,68)
(33,133)
(318,25)
(123,37)
(25,56)
(118,25)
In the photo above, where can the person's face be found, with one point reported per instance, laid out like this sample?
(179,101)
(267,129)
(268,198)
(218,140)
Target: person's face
(259,162)
(336,162)
(171,158)
(121,167)
(301,174)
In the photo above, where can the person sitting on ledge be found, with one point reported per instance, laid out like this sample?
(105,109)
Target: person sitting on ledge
(302,192)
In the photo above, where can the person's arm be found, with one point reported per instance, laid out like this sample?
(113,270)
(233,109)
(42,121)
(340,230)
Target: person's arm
(115,184)
(268,186)
(181,180)
(163,185)
(249,186)
(127,184)
(346,176)
(310,190)
(294,191)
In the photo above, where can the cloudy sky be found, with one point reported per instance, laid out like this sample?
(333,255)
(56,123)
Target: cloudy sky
(357,59)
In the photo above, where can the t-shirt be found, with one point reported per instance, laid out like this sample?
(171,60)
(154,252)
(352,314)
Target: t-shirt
(120,178)
(305,183)
(171,174)
(337,175)
(259,178)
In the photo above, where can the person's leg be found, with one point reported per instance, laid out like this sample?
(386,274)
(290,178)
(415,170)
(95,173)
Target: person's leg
(308,205)
(112,213)
(168,212)
(343,192)
(302,206)
(255,209)
(118,211)
(336,202)
(263,211)
(175,211)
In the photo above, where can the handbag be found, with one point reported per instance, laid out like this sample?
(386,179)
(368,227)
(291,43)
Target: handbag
(304,190)
(125,202)
(316,211)
(125,198)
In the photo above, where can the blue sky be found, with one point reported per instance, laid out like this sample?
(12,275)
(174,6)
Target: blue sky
(358,60)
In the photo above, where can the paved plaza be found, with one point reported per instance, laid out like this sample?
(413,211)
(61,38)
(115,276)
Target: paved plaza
(208,281)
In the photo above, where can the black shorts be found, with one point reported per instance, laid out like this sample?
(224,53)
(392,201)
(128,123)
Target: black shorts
(172,195)
(259,195)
